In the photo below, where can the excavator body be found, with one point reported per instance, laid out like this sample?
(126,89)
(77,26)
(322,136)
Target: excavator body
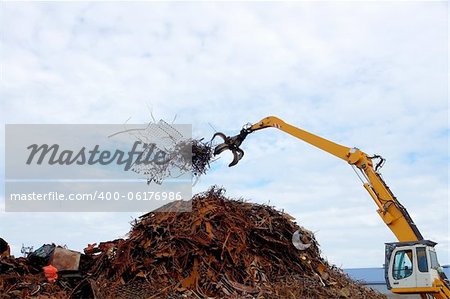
(411,265)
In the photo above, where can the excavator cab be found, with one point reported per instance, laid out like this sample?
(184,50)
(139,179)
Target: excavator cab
(412,267)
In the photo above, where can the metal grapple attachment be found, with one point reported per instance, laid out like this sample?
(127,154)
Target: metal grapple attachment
(232,144)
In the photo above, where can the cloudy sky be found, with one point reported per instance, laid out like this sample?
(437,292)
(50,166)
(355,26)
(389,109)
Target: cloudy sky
(365,74)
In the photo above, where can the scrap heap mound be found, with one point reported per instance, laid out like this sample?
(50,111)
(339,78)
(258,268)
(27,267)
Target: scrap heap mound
(223,248)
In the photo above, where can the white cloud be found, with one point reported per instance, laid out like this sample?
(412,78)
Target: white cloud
(369,74)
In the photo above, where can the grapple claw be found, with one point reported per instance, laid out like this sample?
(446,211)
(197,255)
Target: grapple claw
(222,135)
(232,144)
(220,148)
(238,154)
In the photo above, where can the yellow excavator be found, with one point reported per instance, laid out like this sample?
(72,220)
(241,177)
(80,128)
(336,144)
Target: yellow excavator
(411,264)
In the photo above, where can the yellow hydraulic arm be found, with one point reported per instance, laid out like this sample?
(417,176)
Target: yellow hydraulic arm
(390,210)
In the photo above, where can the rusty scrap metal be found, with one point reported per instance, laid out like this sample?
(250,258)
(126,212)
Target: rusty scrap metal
(65,259)
(224,248)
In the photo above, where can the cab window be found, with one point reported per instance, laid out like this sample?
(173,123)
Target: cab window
(434,260)
(402,264)
(422,262)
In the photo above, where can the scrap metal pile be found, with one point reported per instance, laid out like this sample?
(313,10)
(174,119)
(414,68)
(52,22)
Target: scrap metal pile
(181,154)
(202,155)
(224,248)
(24,278)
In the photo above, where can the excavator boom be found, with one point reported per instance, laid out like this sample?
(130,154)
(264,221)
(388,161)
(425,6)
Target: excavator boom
(393,214)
